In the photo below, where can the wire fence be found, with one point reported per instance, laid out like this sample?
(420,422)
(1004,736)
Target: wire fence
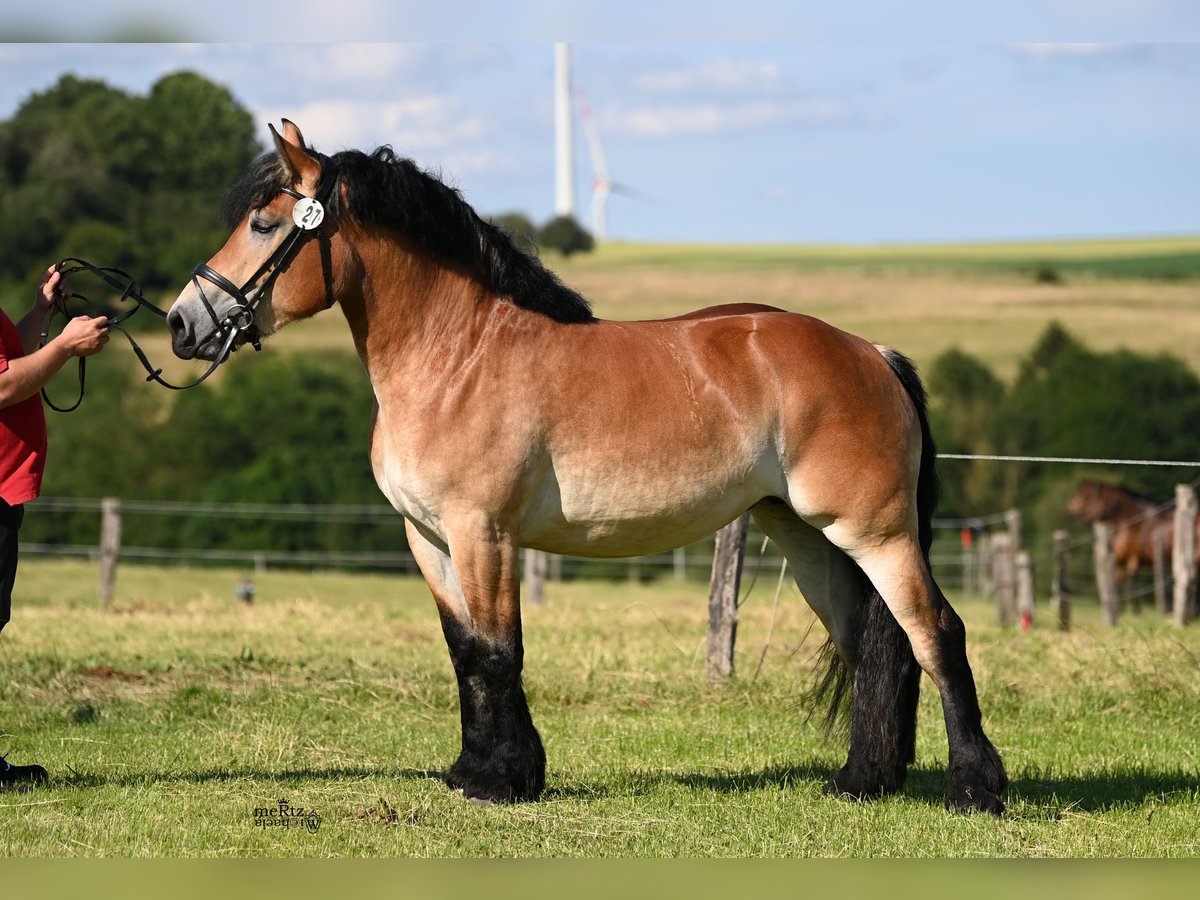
(691,562)
(960,554)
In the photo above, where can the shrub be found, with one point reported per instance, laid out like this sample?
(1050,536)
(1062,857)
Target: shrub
(564,234)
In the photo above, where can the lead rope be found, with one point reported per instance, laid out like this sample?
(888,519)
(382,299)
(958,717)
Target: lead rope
(309,219)
(130,290)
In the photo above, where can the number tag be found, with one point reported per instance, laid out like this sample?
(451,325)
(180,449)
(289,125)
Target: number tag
(308,213)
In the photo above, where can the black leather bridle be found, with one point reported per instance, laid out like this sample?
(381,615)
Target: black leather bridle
(309,220)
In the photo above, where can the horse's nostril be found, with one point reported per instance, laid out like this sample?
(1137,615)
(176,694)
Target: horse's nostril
(183,340)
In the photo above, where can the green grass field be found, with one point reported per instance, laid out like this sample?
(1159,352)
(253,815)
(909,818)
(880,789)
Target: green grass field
(169,719)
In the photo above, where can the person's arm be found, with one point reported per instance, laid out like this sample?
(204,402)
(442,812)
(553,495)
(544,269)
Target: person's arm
(26,375)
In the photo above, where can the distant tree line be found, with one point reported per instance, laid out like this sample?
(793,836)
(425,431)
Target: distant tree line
(1067,400)
(129,181)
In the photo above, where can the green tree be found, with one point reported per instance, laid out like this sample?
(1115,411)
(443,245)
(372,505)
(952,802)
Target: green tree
(275,430)
(564,234)
(965,396)
(88,170)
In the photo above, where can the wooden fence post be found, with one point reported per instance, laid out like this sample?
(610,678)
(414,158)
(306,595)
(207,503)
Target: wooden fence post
(729,552)
(110,547)
(535,576)
(679,562)
(1060,588)
(985,567)
(1106,576)
(1024,589)
(1161,575)
(968,561)
(1004,576)
(1183,555)
(1013,520)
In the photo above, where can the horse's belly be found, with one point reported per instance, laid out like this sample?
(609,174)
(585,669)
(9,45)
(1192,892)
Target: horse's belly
(634,517)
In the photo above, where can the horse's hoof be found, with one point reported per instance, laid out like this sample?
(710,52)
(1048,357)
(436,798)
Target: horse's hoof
(973,799)
(486,788)
(478,801)
(854,782)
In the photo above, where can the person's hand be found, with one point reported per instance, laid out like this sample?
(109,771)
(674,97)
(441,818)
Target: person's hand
(52,285)
(84,335)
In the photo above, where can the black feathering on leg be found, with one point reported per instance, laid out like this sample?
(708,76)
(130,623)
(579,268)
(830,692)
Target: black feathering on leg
(502,758)
(883,723)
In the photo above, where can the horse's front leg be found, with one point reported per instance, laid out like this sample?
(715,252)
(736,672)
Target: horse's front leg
(476,583)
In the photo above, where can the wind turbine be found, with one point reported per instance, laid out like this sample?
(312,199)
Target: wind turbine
(564,134)
(602,183)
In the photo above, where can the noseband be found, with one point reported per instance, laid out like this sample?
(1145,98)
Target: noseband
(308,216)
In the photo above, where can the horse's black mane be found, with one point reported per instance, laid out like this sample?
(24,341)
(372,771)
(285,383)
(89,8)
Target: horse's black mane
(388,190)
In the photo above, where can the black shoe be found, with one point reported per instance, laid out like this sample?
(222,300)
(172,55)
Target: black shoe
(20,776)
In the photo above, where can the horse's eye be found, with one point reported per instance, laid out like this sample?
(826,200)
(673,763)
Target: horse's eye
(263,227)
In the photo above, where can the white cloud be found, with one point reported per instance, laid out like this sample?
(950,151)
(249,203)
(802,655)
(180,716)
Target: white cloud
(1063,51)
(712,117)
(419,123)
(354,61)
(723,75)
(1080,52)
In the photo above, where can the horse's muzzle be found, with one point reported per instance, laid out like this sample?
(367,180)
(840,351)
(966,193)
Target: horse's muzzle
(183,335)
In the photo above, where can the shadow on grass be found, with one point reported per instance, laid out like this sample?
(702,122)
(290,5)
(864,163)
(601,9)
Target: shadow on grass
(1091,793)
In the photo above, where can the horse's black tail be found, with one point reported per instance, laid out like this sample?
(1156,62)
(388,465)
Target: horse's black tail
(886,679)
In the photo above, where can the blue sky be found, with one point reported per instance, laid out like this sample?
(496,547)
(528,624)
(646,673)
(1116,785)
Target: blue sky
(831,141)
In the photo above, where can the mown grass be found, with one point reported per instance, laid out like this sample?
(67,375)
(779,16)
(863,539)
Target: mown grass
(168,719)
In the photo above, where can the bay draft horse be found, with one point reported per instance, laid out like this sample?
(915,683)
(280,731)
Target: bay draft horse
(508,416)
(1137,520)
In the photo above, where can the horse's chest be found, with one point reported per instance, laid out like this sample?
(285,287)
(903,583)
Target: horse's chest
(404,481)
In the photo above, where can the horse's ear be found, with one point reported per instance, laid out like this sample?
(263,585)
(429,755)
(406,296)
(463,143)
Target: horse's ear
(304,169)
(291,133)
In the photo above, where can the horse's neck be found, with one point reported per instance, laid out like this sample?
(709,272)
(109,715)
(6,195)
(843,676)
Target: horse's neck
(1122,505)
(415,320)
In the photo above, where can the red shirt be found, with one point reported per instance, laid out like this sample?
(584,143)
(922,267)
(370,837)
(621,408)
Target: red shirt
(22,430)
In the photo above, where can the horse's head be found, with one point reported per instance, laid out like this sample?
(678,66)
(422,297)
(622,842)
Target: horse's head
(1094,500)
(1084,500)
(276,266)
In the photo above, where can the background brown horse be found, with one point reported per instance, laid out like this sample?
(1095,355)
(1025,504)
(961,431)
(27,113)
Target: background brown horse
(1136,520)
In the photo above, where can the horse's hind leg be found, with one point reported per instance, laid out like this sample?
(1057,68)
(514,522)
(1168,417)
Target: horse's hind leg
(898,570)
(502,757)
(887,685)
(829,580)
(873,655)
